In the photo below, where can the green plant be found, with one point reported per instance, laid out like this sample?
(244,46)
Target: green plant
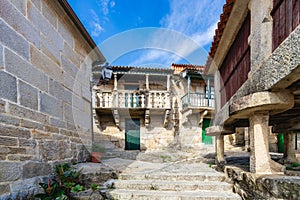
(67,182)
(295,164)
(95,187)
(52,191)
(77,188)
(98,148)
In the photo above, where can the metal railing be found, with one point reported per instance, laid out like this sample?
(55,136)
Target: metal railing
(198,100)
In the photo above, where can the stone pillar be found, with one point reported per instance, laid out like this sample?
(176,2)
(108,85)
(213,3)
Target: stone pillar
(220,160)
(260,161)
(147,81)
(261,30)
(289,154)
(168,83)
(247,139)
(189,89)
(115,82)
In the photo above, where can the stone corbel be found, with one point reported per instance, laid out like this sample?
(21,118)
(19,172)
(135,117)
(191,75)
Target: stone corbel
(116,118)
(147,118)
(167,116)
(202,115)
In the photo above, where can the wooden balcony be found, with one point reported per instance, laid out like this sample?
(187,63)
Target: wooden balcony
(197,100)
(132,99)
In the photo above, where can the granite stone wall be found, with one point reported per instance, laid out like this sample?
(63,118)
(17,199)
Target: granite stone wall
(45,115)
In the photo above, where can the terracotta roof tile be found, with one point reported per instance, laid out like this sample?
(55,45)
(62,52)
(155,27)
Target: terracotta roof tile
(180,67)
(221,26)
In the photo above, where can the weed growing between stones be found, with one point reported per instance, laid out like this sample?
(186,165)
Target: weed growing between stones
(64,185)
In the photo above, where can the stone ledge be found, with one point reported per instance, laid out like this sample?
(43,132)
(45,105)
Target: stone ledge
(253,186)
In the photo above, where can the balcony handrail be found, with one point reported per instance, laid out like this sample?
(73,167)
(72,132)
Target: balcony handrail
(159,99)
(197,99)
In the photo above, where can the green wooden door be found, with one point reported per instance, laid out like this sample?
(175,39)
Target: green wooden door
(205,138)
(132,134)
(280,142)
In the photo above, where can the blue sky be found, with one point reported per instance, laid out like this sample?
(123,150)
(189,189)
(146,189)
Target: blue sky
(151,33)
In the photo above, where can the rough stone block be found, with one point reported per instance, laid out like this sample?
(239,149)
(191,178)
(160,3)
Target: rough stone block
(69,67)
(49,14)
(45,64)
(50,50)
(33,169)
(7,141)
(27,143)
(26,113)
(68,113)
(26,185)
(37,4)
(28,95)
(57,123)
(51,129)
(57,90)
(1,57)
(42,24)
(10,171)
(13,40)
(8,119)
(18,21)
(27,72)
(64,30)
(50,105)
(39,135)
(54,150)
(2,106)
(13,131)
(8,89)
(12,150)
(71,55)
(19,157)
(31,124)
(4,189)
(21,5)
(68,82)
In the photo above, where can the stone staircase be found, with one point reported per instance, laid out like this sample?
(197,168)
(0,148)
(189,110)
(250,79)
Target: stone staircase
(173,183)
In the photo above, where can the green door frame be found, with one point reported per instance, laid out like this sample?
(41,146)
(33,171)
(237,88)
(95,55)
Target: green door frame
(132,134)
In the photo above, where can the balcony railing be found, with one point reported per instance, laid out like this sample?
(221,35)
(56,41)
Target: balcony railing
(132,99)
(197,100)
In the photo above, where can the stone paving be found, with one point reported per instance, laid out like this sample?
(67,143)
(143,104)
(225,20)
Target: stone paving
(168,175)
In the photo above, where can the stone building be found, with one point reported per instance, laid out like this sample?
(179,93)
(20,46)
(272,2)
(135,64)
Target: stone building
(256,65)
(150,109)
(45,95)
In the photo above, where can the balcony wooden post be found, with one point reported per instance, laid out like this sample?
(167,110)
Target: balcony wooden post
(147,81)
(168,83)
(115,82)
(189,88)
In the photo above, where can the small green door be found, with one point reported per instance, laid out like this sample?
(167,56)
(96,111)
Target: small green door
(132,134)
(205,138)
(280,142)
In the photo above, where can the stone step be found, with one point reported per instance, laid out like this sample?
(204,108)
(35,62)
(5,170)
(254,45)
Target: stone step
(204,176)
(172,185)
(173,195)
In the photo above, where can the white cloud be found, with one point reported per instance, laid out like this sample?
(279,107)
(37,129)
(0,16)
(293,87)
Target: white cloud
(105,6)
(95,25)
(197,20)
